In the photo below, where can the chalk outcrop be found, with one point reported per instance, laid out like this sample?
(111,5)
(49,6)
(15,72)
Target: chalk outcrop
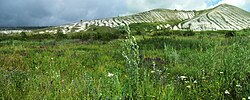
(222,17)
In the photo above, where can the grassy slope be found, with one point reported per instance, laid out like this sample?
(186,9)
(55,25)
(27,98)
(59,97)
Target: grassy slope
(51,69)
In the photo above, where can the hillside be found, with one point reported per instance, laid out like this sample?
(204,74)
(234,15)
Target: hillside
(222,17)
(156,15)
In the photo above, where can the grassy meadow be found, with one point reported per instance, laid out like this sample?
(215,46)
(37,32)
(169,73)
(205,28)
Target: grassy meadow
(161,65)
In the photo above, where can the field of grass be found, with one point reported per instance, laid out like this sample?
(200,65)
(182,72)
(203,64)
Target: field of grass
(203,66)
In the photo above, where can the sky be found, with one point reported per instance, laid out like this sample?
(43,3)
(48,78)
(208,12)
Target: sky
(58,12)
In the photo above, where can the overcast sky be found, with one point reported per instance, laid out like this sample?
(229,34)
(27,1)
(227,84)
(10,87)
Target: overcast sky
(57,12)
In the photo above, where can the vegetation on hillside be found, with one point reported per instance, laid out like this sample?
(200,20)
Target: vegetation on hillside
(102,33)
(204,65)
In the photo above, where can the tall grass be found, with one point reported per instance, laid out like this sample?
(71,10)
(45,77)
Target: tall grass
(163,67)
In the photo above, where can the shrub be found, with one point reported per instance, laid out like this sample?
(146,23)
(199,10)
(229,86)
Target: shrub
(60,35)
(102,33)
(24,36)
(174,32)
(230,34)
(188,33)
(42,36)
(244,32)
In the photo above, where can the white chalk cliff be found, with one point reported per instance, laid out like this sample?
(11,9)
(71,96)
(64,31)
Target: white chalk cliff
(222,17)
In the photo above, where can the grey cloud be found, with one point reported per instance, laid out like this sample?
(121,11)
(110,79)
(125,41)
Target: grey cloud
(57,12)
(17,12)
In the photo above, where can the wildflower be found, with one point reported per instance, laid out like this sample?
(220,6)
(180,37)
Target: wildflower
(248,98)
(195,82)
(221,72)
(238,86)
(203,78)
(63,81)
(243,98)
(189,86)
(72,82)
(159,71)
(152,71)
(227,92)
(51,58)
(110,75)
(186,81)
(154,64)
(57,75)
(183,77)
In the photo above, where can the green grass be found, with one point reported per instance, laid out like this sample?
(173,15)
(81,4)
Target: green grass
(140,67)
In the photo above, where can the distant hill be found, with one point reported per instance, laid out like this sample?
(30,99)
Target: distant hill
(222,17)
(8,30)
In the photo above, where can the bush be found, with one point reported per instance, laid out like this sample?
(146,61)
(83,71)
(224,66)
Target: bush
(102,33)
(24,36)
(230,34)
(174,32)
(42,36)
(188,33)
(60,35)
(244,32)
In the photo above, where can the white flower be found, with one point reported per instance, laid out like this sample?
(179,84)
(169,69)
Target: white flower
(57,75)
(159,71)
(183,77)
(152,71)
(238,85)
(243,98)
(248,98)
(186,81)
(110,75)
(51,58)
(188,86)
(195,82)
(221,72)
(227,92)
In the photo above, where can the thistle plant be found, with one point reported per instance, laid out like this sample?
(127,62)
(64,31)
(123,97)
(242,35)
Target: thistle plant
(131,55)
(131,50)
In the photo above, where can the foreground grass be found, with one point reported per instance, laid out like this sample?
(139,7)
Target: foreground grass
(173,67)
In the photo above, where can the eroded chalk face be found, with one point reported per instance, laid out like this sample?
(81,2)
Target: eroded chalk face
(222,17)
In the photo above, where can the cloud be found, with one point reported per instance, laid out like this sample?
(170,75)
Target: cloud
(140,5)
(57,12)
(244,4)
